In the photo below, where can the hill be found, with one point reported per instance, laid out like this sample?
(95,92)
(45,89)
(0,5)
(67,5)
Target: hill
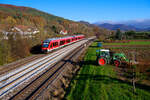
(25,27)
(48,24)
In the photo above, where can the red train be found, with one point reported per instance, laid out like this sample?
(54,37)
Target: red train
(54,43)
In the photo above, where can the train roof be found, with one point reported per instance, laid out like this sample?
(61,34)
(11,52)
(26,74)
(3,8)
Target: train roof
(50,39)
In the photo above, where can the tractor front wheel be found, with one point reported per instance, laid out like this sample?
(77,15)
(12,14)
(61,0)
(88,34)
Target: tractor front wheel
(102,61)
(117,63)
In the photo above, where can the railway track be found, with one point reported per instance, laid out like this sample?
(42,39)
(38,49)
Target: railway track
(40,68)
(6,68)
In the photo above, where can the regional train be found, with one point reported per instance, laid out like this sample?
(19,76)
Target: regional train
(55,43)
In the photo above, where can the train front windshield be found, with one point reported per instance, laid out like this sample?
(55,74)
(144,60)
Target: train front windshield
(45,44)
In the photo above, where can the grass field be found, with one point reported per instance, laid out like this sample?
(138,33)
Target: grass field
(130,43)
(101,83)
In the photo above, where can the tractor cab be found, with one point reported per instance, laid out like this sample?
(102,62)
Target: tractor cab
(103,56)
(102,52)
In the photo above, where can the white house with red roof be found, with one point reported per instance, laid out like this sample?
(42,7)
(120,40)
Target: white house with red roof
(63,32)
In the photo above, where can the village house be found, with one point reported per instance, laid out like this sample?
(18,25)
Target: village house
(25,31)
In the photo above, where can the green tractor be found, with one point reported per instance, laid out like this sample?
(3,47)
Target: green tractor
(104,56)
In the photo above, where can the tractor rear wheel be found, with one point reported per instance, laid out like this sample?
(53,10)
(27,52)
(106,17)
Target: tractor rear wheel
(117,63)
(102,61)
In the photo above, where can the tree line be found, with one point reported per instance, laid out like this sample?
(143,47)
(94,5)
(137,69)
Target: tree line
(130,35)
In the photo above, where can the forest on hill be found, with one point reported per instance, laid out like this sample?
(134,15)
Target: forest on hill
(23,28)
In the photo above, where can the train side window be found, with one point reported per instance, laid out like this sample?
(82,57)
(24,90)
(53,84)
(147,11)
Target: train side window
(56,43)
(62,42)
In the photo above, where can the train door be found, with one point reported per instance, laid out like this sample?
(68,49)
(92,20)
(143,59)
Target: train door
(55,44)
(65,41)
(73,39)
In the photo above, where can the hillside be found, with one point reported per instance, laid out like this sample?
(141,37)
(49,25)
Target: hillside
(49,24)
(18,11)
(24,27)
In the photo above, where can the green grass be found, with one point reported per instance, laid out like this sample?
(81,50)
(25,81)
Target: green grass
(100,83)
(130,43)
(131,48)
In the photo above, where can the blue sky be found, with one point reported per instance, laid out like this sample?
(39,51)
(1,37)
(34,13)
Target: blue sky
(90,10)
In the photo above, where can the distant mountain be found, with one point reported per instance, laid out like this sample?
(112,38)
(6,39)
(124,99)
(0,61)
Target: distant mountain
(145,23)
(87,23)
(147,29)
(138,25)
(84,22)
(116,26)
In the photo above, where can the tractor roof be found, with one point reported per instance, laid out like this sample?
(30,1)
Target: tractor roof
(106,50)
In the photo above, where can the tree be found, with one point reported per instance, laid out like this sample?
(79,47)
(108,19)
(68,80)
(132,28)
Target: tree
(1,36)
(9,21)
(22,47)
(5,53)
(119,34)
